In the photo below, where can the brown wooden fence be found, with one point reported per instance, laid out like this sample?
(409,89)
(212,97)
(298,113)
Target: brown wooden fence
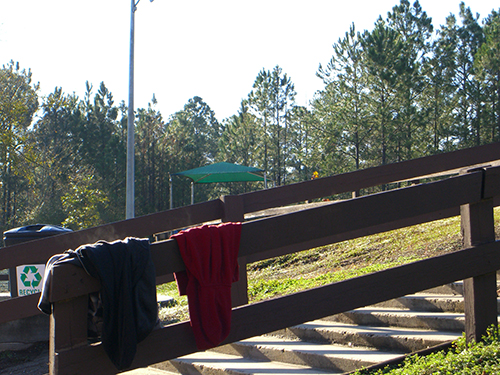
(471,194)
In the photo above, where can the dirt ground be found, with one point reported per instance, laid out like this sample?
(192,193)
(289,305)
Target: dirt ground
(32,361)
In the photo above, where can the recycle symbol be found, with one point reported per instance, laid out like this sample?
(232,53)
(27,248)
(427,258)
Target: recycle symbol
(32,281)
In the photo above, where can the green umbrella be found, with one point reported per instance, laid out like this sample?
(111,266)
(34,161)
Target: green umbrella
(219,172)
(222,172)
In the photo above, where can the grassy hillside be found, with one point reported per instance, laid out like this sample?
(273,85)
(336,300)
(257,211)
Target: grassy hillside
(308,269)
(481,358)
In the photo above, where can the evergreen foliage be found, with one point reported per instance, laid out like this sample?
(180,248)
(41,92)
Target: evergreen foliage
(404,89)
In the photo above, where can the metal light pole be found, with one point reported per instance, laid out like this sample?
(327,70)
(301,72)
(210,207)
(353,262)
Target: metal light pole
(130,189)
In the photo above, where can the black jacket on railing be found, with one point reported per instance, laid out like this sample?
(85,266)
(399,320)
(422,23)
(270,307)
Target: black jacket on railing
(128,294)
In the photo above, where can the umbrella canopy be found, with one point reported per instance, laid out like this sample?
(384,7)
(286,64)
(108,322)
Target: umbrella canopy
(222,172)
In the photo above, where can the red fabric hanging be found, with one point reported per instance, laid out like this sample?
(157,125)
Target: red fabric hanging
(210,253)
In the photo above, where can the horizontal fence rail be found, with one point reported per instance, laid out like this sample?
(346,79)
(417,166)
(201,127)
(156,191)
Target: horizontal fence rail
(182,217)
(278,235)
(42,249)
(144,226)
(451,162)
(262,317)
(261,236)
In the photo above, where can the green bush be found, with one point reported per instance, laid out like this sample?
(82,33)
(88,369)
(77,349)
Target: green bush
(482,358)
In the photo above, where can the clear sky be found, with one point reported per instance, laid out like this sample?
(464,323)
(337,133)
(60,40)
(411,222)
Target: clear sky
(212,49)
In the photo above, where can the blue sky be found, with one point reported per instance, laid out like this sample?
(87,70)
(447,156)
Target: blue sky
(212,49)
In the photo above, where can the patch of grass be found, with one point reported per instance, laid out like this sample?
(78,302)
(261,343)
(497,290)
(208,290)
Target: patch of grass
(294,272)
(178,310)
(169,289)
(261,289)
(481,358)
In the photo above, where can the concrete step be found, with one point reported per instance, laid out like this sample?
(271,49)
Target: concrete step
(330,357)
(147,371)
(340,343)
(426,302)
(336,344)
(456,288)
(429,302)
(393,317)
(213,363)
(387,338)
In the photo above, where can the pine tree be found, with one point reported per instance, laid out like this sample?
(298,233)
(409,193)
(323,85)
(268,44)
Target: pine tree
(487,65)
(349,122)
(414,28)
(151,174)
(18,104)
(272,99)
(384,51)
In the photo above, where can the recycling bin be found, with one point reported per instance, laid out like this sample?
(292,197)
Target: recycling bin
(27,278)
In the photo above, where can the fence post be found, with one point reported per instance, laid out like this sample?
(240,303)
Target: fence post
(68,329)
(480,292)
(234,211)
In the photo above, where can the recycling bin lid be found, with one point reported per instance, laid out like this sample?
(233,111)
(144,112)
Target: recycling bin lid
(35,230)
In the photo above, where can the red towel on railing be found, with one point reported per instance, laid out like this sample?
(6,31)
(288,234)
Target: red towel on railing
(210,254)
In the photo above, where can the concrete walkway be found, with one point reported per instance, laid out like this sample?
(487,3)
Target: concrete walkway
(39,366)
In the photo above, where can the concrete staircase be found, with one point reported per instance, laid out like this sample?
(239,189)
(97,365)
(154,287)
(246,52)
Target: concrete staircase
(341,343)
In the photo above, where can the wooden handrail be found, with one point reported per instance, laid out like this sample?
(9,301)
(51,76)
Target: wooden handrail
(166,253)
(279,235)
(261,236)
(472,192)
(19,308)
(255,319)
(144,226)
(177,218)
(451,163)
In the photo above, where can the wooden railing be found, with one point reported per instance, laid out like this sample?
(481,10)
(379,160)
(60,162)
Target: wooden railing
(472,194)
